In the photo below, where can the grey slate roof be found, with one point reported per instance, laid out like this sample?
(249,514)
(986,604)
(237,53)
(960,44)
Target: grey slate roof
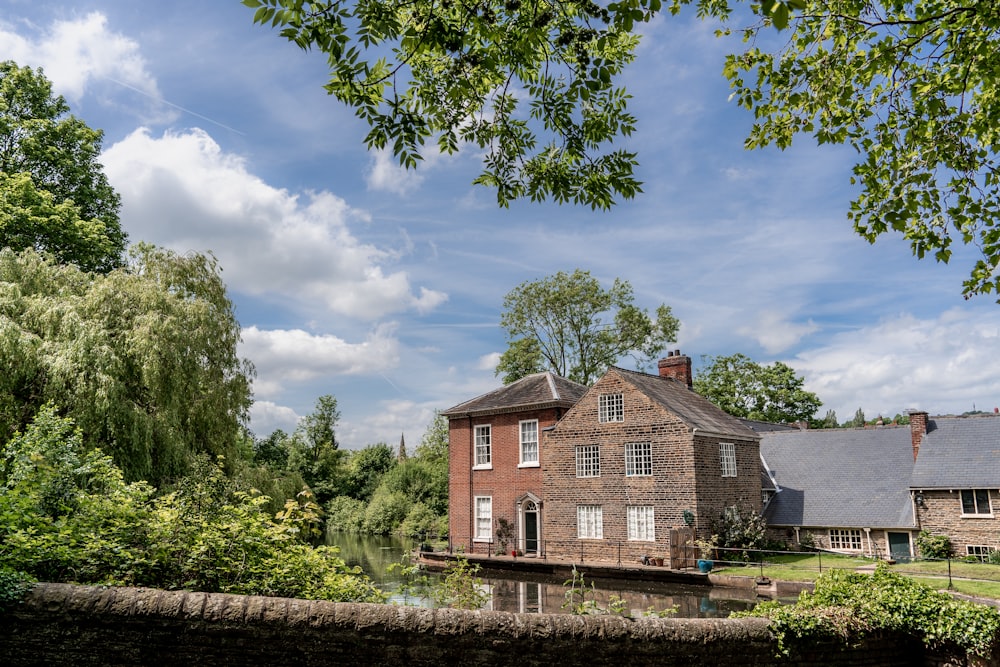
(694,410)
(959,453)
(840,478)
(532,392)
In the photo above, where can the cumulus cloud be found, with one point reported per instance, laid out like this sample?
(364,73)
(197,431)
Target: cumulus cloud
(386,174)
(183,191)
(775,333)
(83,54)
(266,417)
(285,357)
(488,362)
(942,365)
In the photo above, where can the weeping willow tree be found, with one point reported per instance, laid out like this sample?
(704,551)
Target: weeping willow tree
(142,358)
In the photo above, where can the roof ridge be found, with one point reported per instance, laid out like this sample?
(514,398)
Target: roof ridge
(552,384)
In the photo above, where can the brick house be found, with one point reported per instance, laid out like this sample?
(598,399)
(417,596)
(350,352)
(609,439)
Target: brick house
(955,483)
(495,455)
(636,453)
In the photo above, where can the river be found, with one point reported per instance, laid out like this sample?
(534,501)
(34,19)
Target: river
(535,593)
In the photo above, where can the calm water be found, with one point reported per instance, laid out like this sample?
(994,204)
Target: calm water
(536,593)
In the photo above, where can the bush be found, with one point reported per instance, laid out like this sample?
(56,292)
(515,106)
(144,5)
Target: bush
(743,529)
(386,511)
(14,586)
(850,605)
(933,546)
(67,515)
(422,520)
(346,513)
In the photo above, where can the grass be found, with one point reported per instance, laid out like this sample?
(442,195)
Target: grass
(978,579)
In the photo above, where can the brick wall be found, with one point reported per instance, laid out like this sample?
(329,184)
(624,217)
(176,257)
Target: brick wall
(506,483)
(91,626)
(686,476)
(942,514)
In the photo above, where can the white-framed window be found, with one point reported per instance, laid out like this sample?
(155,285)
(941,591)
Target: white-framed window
(727,454)
(484,518)
(484,446)
(976,501)
(979,551)
(638,459)
(845,539)
(588,460)
(640,523)
(529,442)
(610,408)
(590,522)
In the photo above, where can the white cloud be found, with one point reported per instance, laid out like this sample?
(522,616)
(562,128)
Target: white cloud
(774,332)
(82,54)
(183,192)
(488,362)
(386,174)
(289,357)
(942,365)
(266,417)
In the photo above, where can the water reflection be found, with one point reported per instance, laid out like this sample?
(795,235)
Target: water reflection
(533,593)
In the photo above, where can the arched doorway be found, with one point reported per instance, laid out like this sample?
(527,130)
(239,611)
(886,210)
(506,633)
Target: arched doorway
(530,518)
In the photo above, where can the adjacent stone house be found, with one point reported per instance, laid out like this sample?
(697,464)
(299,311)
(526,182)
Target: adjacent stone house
(634,457)
(955,483)
(495,455)
(841,489)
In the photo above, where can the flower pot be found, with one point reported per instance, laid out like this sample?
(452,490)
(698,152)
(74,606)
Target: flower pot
(704,566)
(658,562)
(513,552)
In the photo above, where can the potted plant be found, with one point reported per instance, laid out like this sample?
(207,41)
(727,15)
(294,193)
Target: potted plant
(705,549)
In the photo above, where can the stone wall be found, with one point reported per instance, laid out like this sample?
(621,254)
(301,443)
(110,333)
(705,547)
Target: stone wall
(942,514)
(85,625)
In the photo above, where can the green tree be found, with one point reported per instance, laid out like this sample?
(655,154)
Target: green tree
(578,327)
(366,469)
(314,452)
(858,421)
(143,358)
(912,86)
(44,149)
(749,390)
(420,71)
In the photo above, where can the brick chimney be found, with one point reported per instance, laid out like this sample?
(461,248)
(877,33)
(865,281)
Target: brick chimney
(918,427)
(676,366)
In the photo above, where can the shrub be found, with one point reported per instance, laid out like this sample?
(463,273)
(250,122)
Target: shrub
(14,586)
(422,520)
(742,529)
(849,605)
(345,513)
(386,511)
(933,546)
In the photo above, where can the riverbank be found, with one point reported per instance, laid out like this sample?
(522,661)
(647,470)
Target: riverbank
(558,568)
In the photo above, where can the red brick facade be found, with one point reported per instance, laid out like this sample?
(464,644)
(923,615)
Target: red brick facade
(507,482)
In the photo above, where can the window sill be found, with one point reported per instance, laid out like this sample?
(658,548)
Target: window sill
(482,540)
(483,467)
(530,464)
(976,516)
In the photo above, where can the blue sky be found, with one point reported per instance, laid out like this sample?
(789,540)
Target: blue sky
(383,287)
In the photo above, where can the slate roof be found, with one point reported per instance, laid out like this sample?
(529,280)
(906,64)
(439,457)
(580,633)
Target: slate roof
(959,453)
(694,410)
(840,478)
(532,392)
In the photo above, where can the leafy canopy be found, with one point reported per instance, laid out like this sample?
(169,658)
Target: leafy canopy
(749,390)
(569,324)
(530,82)
(912,85)
(142,358)
(54,195)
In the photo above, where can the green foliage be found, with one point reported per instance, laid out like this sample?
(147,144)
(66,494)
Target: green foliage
(749,390)
(741,528)
(581,600)
(14,586)
(366,469)
(420,520)
(386,510)
(346,513)
(54,195)
(460,588)
(933,546)
(531,83)
(66,514)
(849,605)
(912,87)
(143,358)
(578,327)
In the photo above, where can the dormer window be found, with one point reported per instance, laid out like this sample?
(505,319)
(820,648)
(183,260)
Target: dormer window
(611,408)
